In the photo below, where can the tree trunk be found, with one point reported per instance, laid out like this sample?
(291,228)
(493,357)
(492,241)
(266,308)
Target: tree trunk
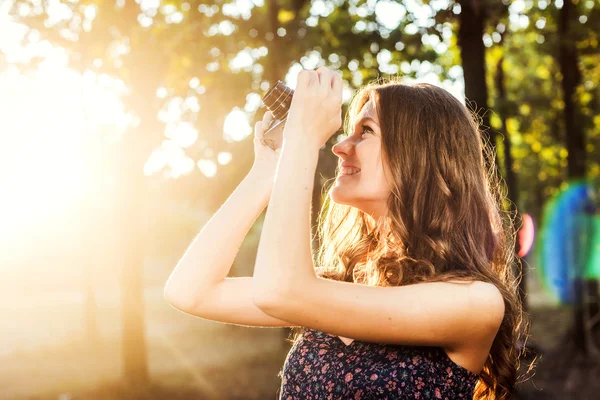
(571,77)
(509,174)
(132,240)
(91,320)
(576,158)
(472,20)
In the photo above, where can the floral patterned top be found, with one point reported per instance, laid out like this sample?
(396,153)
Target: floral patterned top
(321,366)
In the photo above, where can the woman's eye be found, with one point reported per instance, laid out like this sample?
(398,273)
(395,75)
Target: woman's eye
(366,129)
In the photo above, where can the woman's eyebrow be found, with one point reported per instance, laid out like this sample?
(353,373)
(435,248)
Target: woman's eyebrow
(366,118)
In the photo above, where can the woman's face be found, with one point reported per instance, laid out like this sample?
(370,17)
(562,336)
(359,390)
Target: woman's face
(368,190)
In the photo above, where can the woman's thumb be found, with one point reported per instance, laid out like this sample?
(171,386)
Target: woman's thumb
(258,128)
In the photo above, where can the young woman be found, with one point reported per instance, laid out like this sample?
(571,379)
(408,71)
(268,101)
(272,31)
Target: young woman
(413,292)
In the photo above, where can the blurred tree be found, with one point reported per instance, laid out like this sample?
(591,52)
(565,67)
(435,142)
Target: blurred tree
(548,45)
(473,19)
(568,60)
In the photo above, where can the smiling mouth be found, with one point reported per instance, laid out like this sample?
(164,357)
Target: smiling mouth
(349,170)
(343,175)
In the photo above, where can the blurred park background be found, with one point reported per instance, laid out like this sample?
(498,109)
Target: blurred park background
(125,124)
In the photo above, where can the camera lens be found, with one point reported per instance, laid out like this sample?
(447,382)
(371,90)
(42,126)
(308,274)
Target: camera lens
(278,100)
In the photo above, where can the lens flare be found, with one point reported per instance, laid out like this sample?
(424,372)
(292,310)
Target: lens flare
(569,240)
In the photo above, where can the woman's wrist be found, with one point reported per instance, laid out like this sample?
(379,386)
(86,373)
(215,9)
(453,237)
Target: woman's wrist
(261,181)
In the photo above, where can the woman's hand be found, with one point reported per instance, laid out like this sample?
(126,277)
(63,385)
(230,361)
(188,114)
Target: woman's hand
(316,109)
(265,158)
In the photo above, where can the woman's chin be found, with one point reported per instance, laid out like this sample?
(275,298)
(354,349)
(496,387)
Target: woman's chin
(339,198)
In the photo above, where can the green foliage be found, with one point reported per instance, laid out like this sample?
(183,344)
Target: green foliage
(162,51)
(535,104)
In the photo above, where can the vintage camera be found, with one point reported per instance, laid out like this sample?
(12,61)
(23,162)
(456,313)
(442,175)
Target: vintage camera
(277,100)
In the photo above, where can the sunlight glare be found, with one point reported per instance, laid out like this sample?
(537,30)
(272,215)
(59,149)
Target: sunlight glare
(49,118)
(236,127)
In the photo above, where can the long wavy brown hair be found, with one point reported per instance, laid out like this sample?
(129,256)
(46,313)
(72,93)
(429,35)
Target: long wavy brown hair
(448,215)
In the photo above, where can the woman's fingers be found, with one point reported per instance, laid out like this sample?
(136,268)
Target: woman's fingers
(258,129)
(267,118)
(261,126)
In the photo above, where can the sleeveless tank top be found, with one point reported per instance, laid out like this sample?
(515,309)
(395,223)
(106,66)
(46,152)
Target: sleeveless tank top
(320,366)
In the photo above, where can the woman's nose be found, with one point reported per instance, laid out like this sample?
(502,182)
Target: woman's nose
(343,147)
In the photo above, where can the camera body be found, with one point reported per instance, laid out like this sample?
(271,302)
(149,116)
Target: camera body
(278,100)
